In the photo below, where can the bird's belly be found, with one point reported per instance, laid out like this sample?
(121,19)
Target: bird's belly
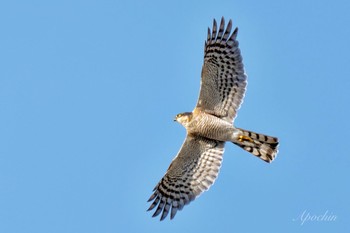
(211,127)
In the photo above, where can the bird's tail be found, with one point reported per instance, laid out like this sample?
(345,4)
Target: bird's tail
(262,146)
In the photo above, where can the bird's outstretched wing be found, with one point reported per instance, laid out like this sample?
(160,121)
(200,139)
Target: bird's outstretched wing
(223,81)
(192,172)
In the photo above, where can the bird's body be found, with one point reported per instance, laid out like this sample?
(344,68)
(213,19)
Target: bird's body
(210,125)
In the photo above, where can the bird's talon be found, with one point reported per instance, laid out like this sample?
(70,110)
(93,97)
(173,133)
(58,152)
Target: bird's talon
(244,138)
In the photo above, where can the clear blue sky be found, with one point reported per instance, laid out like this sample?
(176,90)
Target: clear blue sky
(89,89)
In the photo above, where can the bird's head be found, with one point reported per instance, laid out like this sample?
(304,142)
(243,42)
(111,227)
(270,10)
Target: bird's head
(183,118)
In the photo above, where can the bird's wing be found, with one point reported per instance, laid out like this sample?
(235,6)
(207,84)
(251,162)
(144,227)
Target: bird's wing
(192,172)
(223,81)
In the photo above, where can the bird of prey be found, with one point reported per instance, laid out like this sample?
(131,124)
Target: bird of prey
(210,125)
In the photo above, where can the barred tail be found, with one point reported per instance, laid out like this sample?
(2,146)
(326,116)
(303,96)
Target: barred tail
(263,146)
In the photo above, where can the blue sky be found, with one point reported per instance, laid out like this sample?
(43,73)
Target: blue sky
(89,89)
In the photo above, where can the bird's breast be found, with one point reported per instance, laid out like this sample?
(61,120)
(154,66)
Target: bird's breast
(210,126)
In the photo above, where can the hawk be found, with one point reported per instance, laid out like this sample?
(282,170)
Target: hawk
(210,125)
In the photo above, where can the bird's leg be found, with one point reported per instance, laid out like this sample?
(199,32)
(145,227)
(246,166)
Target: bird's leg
(242,138)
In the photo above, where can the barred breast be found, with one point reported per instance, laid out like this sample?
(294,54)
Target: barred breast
(210,126)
